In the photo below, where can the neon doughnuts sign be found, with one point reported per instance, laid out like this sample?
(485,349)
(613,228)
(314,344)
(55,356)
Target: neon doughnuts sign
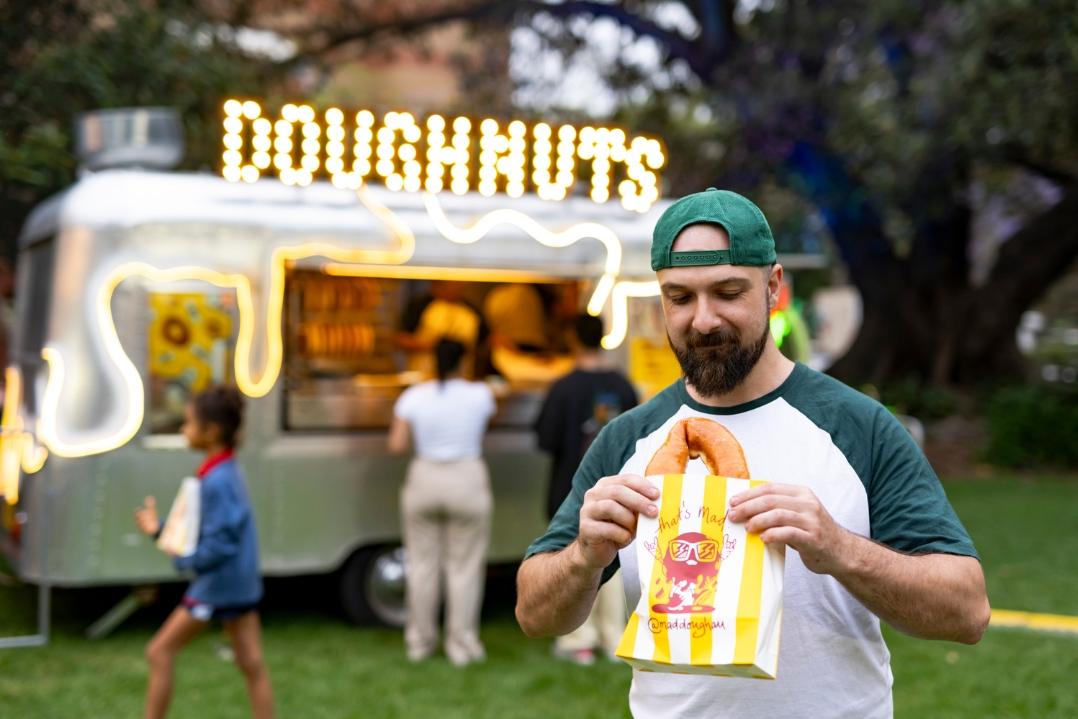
(438,154)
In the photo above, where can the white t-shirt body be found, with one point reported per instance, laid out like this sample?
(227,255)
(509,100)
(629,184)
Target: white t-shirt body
(447,419)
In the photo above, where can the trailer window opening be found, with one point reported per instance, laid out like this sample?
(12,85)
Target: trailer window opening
(356,337)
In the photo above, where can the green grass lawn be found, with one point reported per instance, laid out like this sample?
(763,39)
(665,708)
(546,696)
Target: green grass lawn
(321,667)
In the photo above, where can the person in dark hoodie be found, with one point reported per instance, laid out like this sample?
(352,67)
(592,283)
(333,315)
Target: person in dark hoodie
(227,585)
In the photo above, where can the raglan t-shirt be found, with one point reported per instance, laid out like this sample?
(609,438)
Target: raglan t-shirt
(870,476)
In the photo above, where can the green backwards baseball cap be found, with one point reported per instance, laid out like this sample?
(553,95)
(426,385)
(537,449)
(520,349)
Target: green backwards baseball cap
(751,242)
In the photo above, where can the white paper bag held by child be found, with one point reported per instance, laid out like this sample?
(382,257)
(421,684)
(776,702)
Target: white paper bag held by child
(180,533)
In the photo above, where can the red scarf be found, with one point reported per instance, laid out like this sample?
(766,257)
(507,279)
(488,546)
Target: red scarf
(212,461)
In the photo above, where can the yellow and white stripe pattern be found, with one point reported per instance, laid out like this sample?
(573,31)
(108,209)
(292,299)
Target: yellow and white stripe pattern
(740,637)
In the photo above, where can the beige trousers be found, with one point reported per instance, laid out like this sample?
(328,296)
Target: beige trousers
(603,628)
(446,509)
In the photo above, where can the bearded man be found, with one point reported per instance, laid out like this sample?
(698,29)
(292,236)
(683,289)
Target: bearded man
(869,531)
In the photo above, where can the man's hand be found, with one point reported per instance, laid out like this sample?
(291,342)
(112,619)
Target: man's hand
(792,515)
(608,517)
(146,517)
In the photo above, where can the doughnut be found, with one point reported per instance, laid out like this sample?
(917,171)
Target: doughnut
(704,438)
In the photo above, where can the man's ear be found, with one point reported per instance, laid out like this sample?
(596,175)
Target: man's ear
(774,285)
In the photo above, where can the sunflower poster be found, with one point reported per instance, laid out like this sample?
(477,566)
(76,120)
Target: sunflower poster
(190,347)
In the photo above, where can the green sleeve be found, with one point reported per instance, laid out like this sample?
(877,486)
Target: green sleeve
(908,508)
(565,525)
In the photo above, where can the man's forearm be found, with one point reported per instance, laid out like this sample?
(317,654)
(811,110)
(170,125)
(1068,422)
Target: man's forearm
(932,596)
(555,592)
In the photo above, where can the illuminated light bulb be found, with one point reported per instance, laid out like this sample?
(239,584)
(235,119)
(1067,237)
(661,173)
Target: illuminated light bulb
(283,128)
(488,157)
(461,142)
(515,190)
(304,178)
(233,108)
(231,173)
(600,195)
(540,180)
(363,134)
(395,182)
(249,173)
(516,175)
(365,118)
(290,113)
(309,163)
(462,125)
(459,172)
(385,152)
(600,180)
(334,116)
(362,167)
(233,125)
(334,165)
(233,142)
(407,152)
(517,128)
(251,110)
(541,131)
(405,118)
(305,114)
(567,133)
(500,144)
(626,188)
(412,133)
(261,143)
(487,174)
(335,133)
(517,145)
(541,162)
(261,160)
(310,146)
(566,179)
(283,145)
(488,126)
(433,184)
(617,136)
(282,162)
(617,153)
(335,149)
(311,130)
(232,157)
(262,126)
(288,176)
(487,189)
(384,168)
(411,184)
(635,171)
(587,135)
(565,164)
(436,123)
(459,186)
(412,168)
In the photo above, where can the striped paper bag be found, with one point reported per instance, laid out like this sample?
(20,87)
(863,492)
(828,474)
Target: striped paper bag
(710,593)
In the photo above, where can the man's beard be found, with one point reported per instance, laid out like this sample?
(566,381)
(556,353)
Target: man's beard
(716,363)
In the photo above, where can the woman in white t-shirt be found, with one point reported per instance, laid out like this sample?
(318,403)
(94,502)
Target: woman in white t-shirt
(445,506)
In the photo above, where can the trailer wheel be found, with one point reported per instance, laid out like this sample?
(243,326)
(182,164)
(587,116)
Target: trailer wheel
(372,586)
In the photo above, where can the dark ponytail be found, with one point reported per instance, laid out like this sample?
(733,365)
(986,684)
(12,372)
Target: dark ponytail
(221,405)
(448,354)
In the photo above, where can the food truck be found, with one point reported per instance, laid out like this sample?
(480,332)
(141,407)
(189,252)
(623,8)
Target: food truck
(305,273)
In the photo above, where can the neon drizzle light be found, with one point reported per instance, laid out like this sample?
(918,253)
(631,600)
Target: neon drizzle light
(18,450)
(619,306)
(248,382)
(482,226)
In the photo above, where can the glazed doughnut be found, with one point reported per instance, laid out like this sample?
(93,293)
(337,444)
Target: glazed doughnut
(704,438)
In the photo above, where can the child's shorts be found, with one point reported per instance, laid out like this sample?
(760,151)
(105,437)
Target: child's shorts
(205,612)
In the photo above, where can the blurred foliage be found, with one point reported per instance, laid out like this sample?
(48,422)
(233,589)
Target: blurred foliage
(909,396)
(59,59)
(1033,426)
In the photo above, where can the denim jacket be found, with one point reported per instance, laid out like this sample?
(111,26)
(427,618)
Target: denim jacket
(225,561)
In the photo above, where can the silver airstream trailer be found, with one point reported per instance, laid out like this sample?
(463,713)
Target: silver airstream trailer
(137,286)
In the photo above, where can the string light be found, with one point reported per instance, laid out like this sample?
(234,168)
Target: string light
(437,155)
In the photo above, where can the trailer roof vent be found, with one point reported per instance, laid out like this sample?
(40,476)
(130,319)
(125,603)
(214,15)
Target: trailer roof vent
(146,137)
